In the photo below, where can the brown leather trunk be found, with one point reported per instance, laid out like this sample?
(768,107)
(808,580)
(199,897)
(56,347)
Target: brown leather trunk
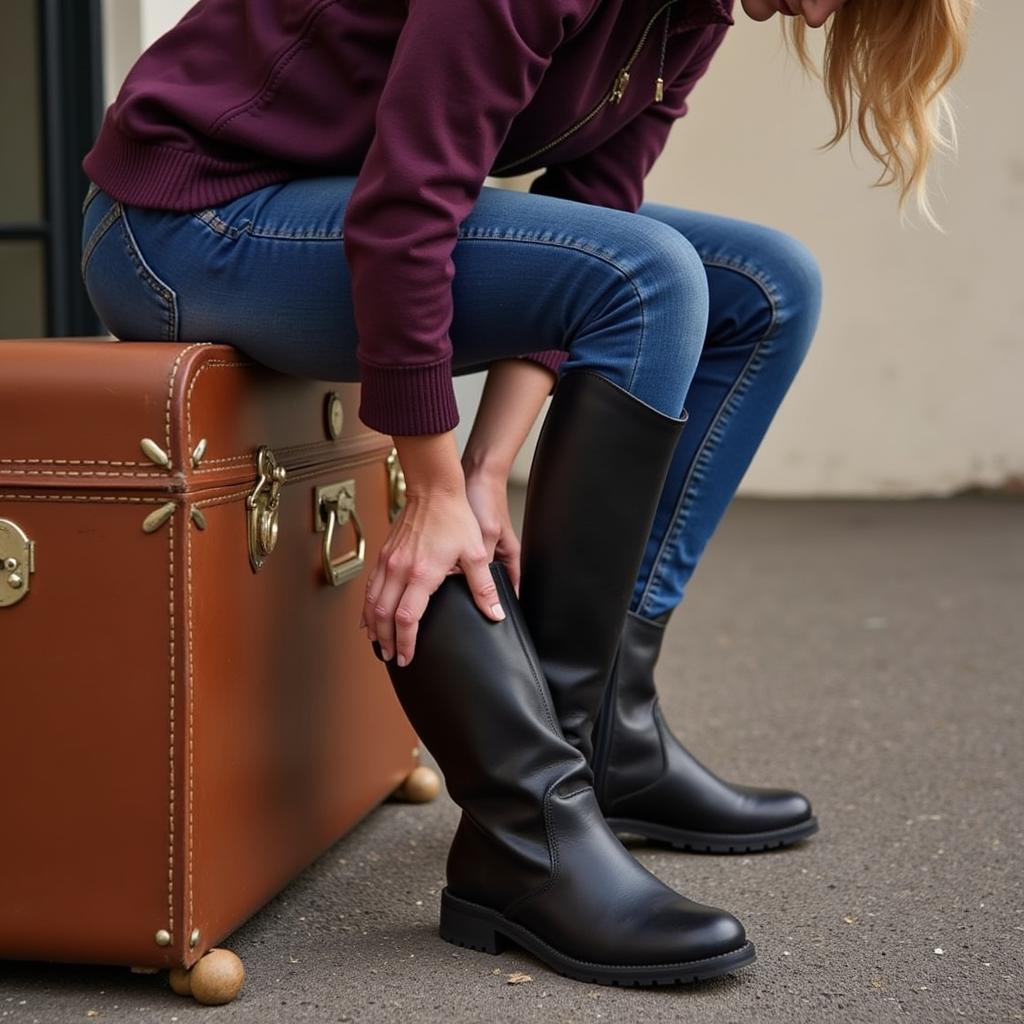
(184,729)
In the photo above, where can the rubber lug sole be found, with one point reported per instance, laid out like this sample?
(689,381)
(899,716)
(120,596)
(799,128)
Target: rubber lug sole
(715,842)
(475,927)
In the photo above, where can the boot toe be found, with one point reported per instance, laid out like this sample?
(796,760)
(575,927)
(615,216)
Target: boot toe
(788,807)
(713,933)
(769,809)
(689,931)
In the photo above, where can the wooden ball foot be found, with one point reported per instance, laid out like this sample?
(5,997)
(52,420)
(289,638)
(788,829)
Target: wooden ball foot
(181,980)
(422,785)
(214,979)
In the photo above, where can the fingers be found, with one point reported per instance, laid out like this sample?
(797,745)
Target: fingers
(509,554)
(387,601)
(512,565)
(491,535)
(374,582)
(397,606)
(411,607)
(482,586)
(397,598)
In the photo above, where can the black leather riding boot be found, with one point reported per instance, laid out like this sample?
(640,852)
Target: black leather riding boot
(533,860)
(597,474)
(649,784)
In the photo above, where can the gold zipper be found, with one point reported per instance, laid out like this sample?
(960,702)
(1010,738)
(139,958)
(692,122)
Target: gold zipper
(613,95)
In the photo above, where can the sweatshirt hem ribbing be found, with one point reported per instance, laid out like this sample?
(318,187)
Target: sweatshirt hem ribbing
(167,178)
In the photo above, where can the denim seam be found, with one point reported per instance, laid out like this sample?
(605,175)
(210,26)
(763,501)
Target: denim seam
(146,273)
(90,194)
(96,237)
(714,431)
(208,218)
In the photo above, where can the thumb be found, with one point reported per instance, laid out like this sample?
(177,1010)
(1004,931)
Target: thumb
(485,592)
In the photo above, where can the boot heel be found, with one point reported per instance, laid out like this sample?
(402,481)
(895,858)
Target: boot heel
(464,925)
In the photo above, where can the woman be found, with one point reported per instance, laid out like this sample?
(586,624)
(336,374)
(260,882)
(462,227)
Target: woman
(304,179)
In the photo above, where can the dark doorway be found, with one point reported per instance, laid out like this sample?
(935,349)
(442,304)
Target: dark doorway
(51,102)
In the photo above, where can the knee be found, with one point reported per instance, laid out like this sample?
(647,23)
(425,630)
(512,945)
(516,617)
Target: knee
(676,282)
(671,261)
(649,291)
(794,276)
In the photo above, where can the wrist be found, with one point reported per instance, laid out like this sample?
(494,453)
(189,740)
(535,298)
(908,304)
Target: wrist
(430,465)
(486,465)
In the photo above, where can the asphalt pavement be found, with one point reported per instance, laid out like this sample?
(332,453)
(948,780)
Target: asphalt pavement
(868,653)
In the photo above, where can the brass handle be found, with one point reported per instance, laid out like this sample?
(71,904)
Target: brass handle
(396,484)
(335,505)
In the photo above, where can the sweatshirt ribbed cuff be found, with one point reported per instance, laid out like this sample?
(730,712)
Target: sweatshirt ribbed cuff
(408,399)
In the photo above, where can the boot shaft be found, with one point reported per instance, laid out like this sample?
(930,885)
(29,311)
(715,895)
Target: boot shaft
(475,693)
(597,473)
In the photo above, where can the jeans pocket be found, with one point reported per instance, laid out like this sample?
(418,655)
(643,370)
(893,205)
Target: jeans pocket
(130,299)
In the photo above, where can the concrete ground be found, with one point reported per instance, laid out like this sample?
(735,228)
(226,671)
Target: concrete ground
(871,654)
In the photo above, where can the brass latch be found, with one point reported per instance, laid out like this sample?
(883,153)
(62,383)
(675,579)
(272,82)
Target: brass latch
(17,562)
(334,505)
(261,507)
(396,484)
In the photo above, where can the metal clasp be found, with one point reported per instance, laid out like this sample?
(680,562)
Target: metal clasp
(17,562)
(333,506)
(261,507)
(396,484)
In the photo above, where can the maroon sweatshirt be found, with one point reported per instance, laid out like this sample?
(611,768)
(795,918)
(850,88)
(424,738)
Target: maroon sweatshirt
(422,99)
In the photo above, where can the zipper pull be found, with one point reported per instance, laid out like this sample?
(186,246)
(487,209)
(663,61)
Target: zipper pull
(621,81)
(659,85)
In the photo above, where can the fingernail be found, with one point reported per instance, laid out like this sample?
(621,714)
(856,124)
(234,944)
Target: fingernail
(497,611)
(402,660)
(387,654)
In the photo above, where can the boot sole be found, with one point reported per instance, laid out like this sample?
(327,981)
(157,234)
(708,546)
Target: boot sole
(475,927)
(716,842)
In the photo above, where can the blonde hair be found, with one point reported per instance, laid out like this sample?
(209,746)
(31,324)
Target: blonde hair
(886,66)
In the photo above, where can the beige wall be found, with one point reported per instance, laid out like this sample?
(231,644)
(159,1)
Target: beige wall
(913,385)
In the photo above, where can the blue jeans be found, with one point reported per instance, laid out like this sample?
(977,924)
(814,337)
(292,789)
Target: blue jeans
(682,309)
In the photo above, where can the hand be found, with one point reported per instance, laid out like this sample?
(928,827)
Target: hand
(434,535)
(487,491)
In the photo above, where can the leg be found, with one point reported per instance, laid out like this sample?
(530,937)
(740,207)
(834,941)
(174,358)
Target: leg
(266,272)
(765,297)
